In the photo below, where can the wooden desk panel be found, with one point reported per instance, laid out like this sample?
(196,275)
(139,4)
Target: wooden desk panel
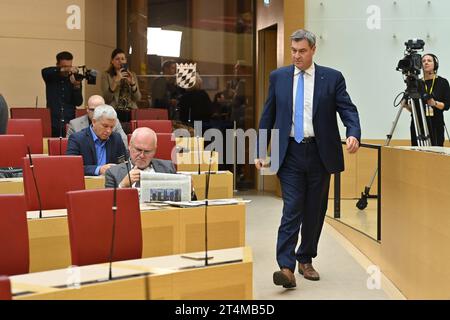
(415,222)
(226,228)
(220,185)
(166,280)
(15,185)
(164,233)
(189,161)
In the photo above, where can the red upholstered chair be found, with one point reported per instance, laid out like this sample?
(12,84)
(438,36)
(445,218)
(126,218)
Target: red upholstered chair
(80,112)
(55,176)
(5,288)
(35,113)
(90,220)
(57,147)
(13,149)
(166,146)
(31,129)
(149,114)
(14,248)
(159,126)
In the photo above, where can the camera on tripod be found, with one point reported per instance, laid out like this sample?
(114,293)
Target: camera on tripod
(411,64)
(84,73)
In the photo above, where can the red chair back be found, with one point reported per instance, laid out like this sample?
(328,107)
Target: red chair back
(14,247)
(31,129)
(57,147)
(166,147)
(149,114)
(159,126)
(55,176)
(13,149)
(80,112)
(35,113)
(90,220)
(5,288)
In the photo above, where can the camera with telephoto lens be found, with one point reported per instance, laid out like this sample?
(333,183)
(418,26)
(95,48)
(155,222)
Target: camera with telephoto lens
(84,73)
(411,64)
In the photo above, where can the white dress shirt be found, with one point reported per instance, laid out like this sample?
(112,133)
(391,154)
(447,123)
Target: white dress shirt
(308,95)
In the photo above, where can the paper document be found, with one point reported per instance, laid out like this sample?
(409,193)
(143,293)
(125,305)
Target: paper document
(164,187)
(198,203)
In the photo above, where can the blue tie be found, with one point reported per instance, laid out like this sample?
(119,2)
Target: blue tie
(298,120)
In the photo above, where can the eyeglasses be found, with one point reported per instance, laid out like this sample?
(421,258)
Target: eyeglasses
(145,152)
(91,109)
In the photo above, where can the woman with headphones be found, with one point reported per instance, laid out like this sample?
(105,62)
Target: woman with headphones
(437,91)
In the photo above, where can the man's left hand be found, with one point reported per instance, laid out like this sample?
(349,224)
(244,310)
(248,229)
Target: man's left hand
(352,144)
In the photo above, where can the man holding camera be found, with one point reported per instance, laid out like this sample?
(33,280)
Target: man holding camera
(63,92)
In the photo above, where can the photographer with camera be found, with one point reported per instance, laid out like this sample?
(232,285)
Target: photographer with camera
(435,92)
(437,97)
(63,92)
(120,88)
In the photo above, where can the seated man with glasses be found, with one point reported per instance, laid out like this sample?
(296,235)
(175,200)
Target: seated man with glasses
(142,149)
(85,121)
(100,147)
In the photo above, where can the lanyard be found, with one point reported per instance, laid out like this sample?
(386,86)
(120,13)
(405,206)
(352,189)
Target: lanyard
(432,85)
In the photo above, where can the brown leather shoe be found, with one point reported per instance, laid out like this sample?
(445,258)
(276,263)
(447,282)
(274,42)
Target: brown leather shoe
(284,278)
(308,272)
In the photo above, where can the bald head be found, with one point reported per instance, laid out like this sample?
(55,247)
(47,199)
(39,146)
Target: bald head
(143,144)
(93,102)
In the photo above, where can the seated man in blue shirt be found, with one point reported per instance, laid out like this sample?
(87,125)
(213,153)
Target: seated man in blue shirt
(100,147)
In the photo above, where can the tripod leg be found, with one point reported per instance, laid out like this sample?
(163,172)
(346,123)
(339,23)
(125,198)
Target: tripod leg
(419,135)
(362,202)
(448,136)
(427,139)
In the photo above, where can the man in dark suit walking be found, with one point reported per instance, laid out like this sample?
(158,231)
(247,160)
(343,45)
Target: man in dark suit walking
(302,103)
(100,147)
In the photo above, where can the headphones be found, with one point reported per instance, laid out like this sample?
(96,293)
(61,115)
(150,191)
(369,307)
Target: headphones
(435,60)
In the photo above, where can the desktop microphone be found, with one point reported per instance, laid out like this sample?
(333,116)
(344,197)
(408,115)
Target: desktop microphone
(36,102)
(114,211)
(198,154)
(35,182)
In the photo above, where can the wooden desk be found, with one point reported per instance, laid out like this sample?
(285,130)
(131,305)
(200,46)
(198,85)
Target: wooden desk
(15,185)
(221,185)
(188,161)
(415,223)
(169,277)
(165,232)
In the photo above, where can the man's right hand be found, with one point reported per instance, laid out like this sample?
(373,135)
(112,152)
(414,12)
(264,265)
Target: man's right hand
(260,164)
(135,176)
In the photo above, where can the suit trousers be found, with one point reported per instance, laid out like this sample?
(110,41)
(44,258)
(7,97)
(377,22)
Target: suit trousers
(304,185)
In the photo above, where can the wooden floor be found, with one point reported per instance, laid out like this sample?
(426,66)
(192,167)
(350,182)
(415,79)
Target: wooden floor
(362,220)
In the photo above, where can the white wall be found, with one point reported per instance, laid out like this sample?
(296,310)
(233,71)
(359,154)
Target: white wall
(368,57)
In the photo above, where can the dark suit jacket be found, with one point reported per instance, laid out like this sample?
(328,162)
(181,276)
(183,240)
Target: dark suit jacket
(82,143)
(330,96)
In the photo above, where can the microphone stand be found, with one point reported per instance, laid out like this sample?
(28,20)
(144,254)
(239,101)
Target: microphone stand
(128,172)
(61,130)
(206,210)
(198,154)
(35,183)
(114,212)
